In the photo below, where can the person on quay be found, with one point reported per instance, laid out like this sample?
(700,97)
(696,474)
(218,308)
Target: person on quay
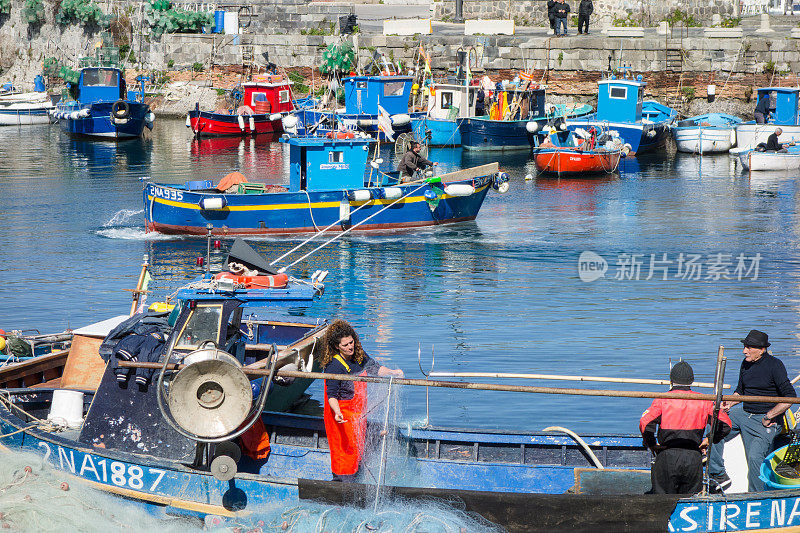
(412,161)
(773,145)
(562,10)
(585,9)
(551,15)
(761,112)
(761,374)
(678,468)
(346,401)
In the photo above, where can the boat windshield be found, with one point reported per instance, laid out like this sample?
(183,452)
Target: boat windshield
(202,325)
(100,77)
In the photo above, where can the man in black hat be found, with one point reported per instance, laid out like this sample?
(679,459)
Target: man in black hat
(678,468)
(761,374)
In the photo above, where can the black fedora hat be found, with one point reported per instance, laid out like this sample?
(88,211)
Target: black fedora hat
(756,339)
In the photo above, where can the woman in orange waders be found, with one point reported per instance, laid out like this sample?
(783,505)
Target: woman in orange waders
(346,401)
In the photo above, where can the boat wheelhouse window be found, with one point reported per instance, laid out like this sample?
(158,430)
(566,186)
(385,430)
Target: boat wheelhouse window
(101,77)
(259,97)
(393,88)
(620,93)
(283,96)
(447,100)
(203,324)
(361,84)
(335,156)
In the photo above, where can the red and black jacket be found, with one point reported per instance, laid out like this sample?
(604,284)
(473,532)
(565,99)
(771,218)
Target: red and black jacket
(681,423)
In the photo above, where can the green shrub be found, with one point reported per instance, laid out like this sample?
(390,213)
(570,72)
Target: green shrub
(5,7)
(83,12)
(628,21)
(688,92)
(170,63)
(300,86)
(676,15)
(732,22)
(197,66)
(33,12)
(769,67)
(162,18)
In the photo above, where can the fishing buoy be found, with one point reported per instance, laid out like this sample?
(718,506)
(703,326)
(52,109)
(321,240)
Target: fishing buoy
(214,202)
(528,177)
(379,160)
(289,122)
(64,486)
(392,193)
(430,195)
(188,122)
(374,164)
(503,188)
(285,525)
(252,123)
(401,119)
(361,195)
(459,189)
(532,126)
(241,122)
(27,470)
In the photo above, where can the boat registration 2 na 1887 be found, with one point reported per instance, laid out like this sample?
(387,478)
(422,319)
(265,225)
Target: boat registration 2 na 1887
(102,470)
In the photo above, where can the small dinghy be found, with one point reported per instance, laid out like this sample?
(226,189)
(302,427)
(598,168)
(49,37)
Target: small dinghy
(579,152)
(706,134)
(783,160)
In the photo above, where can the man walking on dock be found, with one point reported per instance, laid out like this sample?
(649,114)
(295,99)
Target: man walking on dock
(761,374)
(678,468)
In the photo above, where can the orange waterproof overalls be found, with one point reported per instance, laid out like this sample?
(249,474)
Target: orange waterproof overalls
(346,440)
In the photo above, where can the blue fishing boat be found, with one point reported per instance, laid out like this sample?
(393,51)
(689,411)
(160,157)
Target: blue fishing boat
(784,111)
(101,107)
(706,134)
(515,119)
(367,99)
(330,186)
(448,106)
(642,124)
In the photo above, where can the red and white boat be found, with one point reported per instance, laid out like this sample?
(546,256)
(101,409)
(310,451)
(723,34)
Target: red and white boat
(575,153)
(264,102)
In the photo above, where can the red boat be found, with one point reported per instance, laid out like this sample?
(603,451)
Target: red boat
(570,154)
(264,102)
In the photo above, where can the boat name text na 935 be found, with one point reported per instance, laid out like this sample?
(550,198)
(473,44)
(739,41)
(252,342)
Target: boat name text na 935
(103,470)
(166,194)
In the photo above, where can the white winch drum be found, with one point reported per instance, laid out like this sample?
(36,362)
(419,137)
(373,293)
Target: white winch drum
(210,396)
(459,189)
(66,409)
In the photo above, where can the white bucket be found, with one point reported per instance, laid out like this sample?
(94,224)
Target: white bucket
(67,408)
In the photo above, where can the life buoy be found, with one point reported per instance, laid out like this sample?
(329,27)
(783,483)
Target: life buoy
(341,134)
(278,281)
(121,110)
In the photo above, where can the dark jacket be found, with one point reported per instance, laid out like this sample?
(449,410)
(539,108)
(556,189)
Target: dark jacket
(412,161)
(551,10)
(681,423)
(586,8)
(345,390)
(562,9)
(765,377)
(763,106)
(146,346)
(773,146)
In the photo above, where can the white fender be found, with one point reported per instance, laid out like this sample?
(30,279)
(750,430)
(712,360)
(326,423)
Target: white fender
(733,136)
(215,202)
(374,164)
(366,122)
(150,117)
(74,115)
(392,193)
(188,122)
(84,113)
(459,189)
(532,126)
(344,210)
(289,122)
(275,116)
(361,195)
(252,123)
(400,119)
(241,122)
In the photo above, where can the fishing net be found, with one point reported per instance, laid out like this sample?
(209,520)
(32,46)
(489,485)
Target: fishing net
(36,497)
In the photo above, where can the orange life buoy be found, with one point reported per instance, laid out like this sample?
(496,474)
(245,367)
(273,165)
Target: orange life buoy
(278,281)
(341,135)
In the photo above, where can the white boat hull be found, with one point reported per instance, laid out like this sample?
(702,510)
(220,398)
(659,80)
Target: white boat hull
(699,140)
(749,135)
(24,117)
(753,160)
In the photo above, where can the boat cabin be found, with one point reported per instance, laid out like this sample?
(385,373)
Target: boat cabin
(268,94)
(783,104)
(451,101)
(327,163)
(620,100)
(518,104)
(363,94)
(99,84)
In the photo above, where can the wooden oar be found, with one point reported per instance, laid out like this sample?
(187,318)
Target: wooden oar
(137,292)
(490,386)
(558,377)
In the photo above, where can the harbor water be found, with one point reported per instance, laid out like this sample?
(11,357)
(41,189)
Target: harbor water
(679,254)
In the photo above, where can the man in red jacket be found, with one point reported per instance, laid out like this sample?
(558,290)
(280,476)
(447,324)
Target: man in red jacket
(678,468)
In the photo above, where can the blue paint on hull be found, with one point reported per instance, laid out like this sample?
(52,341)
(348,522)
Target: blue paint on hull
(443,132)
(641,137)
(496,135)
(99,124)
(173,210)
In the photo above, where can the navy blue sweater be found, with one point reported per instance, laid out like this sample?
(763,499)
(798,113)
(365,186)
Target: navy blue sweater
(765,377)
(345,390)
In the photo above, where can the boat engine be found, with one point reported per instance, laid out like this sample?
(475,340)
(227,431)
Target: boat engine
(209,400)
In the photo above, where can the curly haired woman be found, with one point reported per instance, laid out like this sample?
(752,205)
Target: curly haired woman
(346,401)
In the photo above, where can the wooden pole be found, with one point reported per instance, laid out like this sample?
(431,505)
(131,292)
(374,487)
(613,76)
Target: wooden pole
(137,292)
(558,377)
(490,386)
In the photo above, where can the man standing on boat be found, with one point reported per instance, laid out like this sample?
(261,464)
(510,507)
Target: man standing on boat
(412,161)
(678,468)
(761,374)
(762,109)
